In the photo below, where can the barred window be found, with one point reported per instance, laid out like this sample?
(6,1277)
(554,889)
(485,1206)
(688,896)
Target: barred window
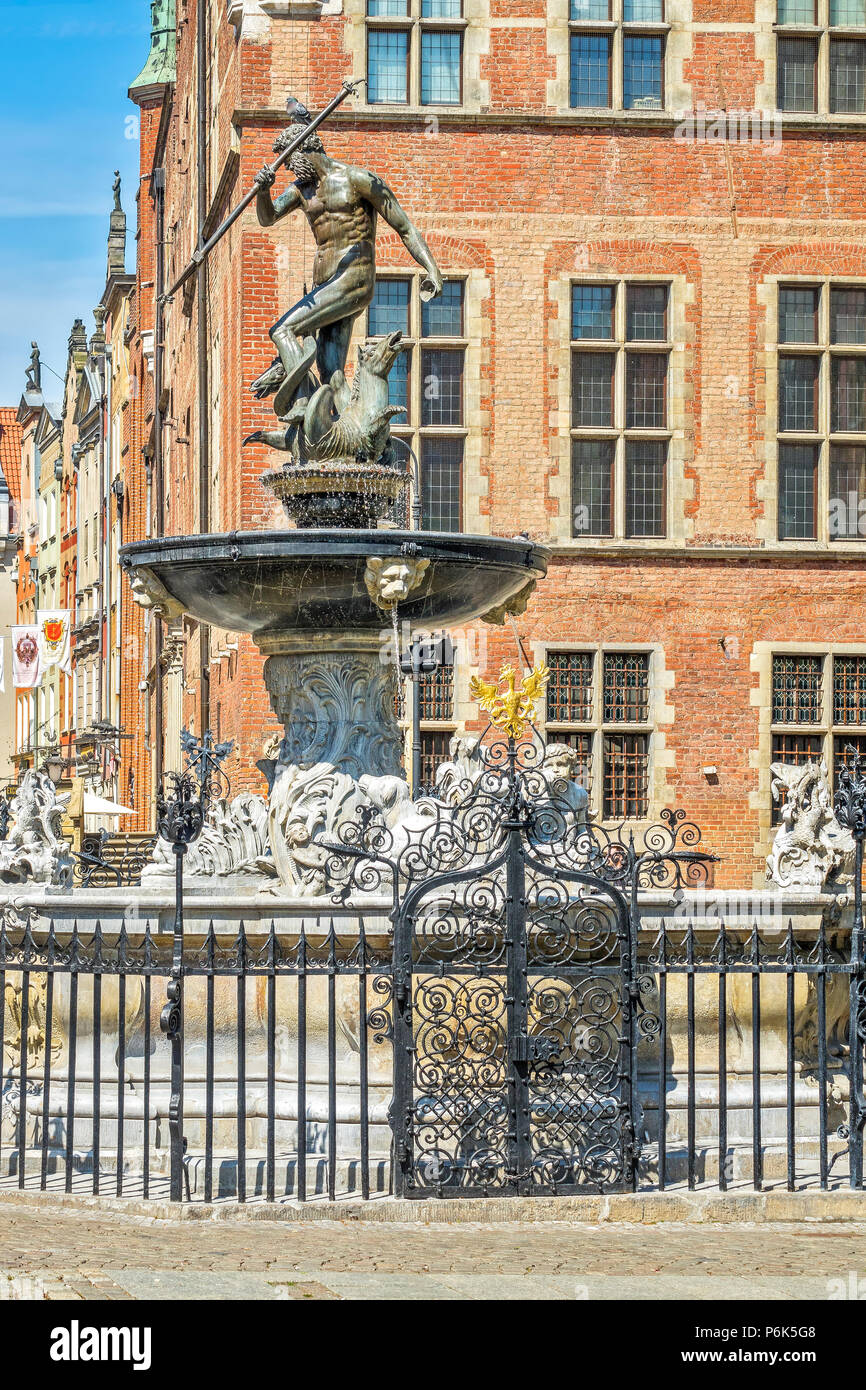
(626,687)
(849,689)
(435,691)
(821,412)
(599,703)
(841,755)
(616,60)
(569,689)
(435,750)
(797,689)
(820,63)
(620,409)
(415,52)
(818,709)
(427,381)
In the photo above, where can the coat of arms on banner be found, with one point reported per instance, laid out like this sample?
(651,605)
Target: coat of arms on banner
(54,638)
(26,650)
(26,659)
(53,632)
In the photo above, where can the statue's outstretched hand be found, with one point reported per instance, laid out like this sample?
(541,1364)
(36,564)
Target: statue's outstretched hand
(431,287)
(265,178)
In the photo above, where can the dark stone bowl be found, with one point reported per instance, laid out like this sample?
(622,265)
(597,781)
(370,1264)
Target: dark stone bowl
(312,581)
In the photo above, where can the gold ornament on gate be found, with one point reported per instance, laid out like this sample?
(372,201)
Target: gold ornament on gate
(513,708)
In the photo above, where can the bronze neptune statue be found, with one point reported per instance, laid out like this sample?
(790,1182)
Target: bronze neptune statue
(341,203)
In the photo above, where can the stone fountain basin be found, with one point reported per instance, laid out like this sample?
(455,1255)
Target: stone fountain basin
(312,581)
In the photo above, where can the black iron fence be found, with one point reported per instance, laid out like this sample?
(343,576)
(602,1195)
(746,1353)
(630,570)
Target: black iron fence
(278,1095)
(744,1068)
(749,1072)
(514,1017)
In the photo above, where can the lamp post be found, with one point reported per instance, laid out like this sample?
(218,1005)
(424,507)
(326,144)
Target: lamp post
(424,656)
(181,810)
(54,765)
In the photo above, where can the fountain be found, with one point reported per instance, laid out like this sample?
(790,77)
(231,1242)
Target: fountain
(320,600)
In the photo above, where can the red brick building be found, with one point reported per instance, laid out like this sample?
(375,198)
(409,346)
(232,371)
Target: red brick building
(10,507)
(651,355)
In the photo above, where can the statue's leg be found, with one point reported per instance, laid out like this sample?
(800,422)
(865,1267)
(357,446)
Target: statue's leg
(334,304)
(333,350)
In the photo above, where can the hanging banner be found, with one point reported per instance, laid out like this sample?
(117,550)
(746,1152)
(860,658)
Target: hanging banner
(26,667)
(54,631)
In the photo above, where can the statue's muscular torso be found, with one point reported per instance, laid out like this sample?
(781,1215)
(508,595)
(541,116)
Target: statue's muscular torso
(342,221)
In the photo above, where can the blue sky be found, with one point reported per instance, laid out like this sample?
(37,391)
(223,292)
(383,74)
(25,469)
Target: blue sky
(66,124)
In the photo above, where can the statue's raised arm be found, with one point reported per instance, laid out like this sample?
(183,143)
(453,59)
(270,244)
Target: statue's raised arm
(383,200)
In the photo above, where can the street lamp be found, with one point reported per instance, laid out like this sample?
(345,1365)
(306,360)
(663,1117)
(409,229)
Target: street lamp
(423,656)
(54,765)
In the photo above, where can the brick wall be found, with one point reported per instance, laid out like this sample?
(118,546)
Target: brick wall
(533,196)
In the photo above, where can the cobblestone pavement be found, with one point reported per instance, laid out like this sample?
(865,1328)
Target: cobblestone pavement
(60,1253)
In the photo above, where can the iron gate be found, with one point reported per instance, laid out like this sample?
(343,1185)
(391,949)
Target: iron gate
(518,1002)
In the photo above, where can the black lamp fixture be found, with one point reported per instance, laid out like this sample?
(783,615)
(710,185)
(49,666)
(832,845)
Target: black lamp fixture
(54,765)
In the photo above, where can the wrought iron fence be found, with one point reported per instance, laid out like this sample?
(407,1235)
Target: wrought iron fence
(749,1068)
(106,860)
(513,1017)
(280,1097)
(744,1064)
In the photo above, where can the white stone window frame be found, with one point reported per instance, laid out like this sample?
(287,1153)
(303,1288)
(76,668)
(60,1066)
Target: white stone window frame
(660,716)
(415,26)
(476,25)
(823,32)
(409,427)
(768,293)
(680,336)
(618,28)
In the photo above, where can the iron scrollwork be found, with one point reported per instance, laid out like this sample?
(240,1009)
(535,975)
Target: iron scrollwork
(518,1004)
(96,865)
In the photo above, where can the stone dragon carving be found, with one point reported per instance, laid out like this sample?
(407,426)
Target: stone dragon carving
(810,848)
(35,850)
(342,420)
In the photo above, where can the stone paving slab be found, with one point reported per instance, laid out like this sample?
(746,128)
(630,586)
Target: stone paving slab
(650,1208)
(75,1253)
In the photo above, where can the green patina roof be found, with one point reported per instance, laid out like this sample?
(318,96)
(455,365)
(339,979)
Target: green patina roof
(160,66)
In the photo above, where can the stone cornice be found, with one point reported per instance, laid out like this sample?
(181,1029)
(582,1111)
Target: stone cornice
(711,554)
(252,18)
(633,121)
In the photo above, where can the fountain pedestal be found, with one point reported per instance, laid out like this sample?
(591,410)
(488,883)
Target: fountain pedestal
(334,696)
(340,752)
